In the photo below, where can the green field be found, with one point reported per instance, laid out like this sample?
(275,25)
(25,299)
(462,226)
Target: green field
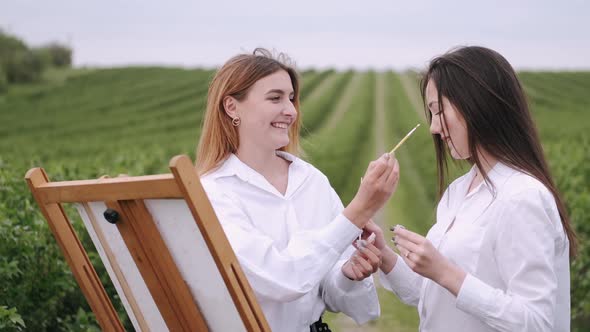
(84,123)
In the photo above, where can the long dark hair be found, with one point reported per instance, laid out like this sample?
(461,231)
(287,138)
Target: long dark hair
(484,88)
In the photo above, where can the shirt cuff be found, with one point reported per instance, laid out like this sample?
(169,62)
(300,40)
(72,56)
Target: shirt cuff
(474,296)
(339,234)
(343,283)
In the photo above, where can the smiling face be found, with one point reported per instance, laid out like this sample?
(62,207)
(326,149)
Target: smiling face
(451,126)
(267,112)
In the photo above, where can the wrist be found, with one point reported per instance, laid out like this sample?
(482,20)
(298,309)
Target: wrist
(451,278)
(356,214)
(389,260)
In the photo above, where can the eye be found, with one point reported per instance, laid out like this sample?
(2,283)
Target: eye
(434,112)
(275,98)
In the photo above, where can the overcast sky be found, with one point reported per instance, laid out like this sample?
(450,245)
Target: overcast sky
(342,34)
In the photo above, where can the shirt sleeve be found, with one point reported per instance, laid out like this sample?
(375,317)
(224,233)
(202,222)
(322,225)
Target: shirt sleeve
(288,273)
(525,253)
(403,282)
(356,299)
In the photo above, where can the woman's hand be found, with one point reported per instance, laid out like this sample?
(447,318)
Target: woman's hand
(372,227)
(423,258)
(379,183)
(388,256)
(364,262)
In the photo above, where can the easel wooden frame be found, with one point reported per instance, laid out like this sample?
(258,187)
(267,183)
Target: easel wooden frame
(125,195)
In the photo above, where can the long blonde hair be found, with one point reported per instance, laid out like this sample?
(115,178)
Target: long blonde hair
(219,137)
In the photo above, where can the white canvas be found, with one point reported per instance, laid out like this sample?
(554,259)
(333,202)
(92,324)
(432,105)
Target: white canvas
(190,253)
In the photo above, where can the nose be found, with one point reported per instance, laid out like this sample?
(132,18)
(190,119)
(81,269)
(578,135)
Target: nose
(435,126)
(290,110)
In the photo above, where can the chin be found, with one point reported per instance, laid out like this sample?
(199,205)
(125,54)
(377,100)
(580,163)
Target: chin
(282,143)
(457,156)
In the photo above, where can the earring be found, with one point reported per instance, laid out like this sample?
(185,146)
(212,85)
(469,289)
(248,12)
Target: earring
(236,121)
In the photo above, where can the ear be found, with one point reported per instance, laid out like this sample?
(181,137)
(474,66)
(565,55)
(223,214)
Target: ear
(230,106)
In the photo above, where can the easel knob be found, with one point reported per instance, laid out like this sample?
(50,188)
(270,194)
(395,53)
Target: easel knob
(111,216)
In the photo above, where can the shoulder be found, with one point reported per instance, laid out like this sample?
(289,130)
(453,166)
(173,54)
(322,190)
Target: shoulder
(314,173)
(209,183)
(526,202)
(215,188)
(521,186)
(306,170)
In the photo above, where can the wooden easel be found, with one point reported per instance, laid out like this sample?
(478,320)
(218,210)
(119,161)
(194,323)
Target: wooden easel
(125,197)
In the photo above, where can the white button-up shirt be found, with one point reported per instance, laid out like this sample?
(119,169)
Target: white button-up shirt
(291,247)
(509,240)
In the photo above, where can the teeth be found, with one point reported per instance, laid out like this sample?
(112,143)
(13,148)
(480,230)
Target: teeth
(279,125)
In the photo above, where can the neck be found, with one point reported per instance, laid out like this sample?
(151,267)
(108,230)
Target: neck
(487,163)
(263,161)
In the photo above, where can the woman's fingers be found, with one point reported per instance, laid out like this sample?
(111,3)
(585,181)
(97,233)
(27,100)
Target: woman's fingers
(357,273)
(373,260)
(371,252)
(393,175)
(406,244)
(373,228)
(403,251)
(363,263)
(408,256)
(389,164)
(376,169)
(402,233)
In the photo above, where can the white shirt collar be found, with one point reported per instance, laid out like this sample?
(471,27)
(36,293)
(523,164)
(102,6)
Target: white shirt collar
(497,176)
(233,166)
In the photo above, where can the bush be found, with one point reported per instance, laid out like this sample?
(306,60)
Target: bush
(19,64)
(61,56)
(23,67)
(10,320)
(35,278)
(3,81)
(9,46)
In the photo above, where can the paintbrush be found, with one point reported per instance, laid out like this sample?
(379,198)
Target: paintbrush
(392,151)
(404,139)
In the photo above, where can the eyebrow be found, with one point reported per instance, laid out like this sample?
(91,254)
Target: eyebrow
(279,91)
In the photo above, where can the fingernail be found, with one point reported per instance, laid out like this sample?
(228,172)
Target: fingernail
(400,226)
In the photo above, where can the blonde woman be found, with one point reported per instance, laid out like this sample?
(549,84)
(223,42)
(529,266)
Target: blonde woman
(286,224)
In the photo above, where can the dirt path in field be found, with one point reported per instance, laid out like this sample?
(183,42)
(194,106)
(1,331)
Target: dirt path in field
(344,323)
(379,128)
(412,90)
(321,88)
(395,316)
(348,94)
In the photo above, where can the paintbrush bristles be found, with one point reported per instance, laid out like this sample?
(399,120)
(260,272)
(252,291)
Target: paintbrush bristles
(404,139)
